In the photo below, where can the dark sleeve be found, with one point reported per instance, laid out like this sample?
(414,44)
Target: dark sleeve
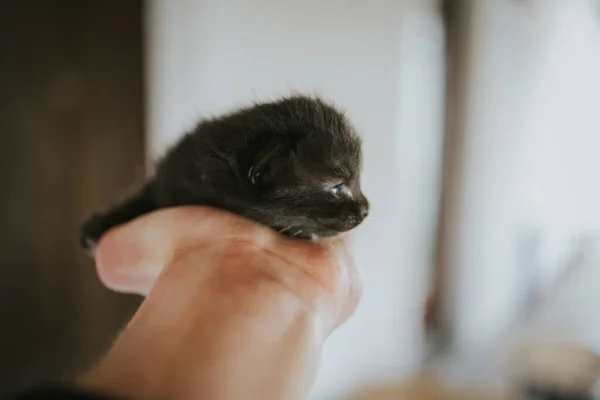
(58,392)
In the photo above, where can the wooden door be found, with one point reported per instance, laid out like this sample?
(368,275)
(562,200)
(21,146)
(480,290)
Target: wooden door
(71,139)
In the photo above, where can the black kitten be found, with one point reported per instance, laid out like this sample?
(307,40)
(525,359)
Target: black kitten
(292,164)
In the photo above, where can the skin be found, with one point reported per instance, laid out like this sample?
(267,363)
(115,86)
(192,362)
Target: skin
(233,309)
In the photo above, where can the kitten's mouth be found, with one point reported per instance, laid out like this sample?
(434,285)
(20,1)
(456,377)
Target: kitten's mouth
(299,233)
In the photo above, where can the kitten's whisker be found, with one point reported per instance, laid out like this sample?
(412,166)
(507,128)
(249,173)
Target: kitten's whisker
(283,230)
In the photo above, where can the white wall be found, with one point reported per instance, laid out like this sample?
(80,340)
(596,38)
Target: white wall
(560,167)
(529,163)
(381,61)
(560,163)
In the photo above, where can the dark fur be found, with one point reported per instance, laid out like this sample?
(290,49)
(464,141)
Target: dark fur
(541,392)
(273,162)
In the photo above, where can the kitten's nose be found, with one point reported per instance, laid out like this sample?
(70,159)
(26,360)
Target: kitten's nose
(364,210)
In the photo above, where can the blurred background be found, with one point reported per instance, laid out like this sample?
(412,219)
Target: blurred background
(481,127)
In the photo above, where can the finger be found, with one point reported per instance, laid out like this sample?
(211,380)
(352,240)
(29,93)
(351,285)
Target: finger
(130,257)
(331,265)
(349,285)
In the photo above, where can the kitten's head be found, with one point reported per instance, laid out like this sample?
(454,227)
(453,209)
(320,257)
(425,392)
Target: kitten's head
(302,166)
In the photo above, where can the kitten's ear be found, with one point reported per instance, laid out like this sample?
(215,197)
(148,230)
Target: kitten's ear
(271,162)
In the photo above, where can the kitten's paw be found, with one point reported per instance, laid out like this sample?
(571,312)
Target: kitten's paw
(91,231)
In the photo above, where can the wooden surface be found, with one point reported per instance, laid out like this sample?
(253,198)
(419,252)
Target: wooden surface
(71,139)
(424,387)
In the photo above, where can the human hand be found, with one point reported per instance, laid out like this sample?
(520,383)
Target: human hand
(234,310)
